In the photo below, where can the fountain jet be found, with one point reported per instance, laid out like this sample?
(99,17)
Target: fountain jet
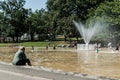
(87,32)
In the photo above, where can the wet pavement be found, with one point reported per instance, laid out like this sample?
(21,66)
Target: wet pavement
(11,72)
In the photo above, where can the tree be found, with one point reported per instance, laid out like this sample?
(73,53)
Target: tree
(14,15)
(5,27)
(61,17)
(36,23)
(84,9)
(65,11)
(109,11)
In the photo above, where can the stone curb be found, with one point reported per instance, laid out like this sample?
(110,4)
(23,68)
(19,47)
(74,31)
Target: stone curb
(65,73)
(70,73)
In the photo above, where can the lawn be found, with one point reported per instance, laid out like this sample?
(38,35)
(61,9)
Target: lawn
(26,44)
(36,44)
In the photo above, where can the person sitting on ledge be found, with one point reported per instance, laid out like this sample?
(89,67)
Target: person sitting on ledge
(20,57)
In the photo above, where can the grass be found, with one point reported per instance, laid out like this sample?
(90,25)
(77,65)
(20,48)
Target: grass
(42,44)
(36,44)
(26,44)
(4,44)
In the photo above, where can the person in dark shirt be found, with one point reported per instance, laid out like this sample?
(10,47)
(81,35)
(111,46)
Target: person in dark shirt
(117,47)
(20,57)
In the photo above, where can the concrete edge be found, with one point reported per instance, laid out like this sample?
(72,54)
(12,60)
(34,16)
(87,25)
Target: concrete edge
(65,73)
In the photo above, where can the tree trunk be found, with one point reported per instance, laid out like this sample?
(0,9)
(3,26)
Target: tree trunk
(77,38)
(32,36)
(65,37)
(13,38)
(17,40)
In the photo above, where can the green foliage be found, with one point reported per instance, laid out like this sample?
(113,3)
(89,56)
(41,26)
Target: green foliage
(65,11)
(14,17)
(15,20)
(110,11)
(35,44)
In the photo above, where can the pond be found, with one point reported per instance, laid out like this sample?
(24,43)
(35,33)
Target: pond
(104,63)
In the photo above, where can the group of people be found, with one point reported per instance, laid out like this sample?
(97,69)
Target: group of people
(116,48)
(97,46)
(20,57)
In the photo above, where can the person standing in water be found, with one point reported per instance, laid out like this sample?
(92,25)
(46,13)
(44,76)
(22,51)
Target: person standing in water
(32,49)
(117,47)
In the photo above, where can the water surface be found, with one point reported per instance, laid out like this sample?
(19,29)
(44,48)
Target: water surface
(104,63)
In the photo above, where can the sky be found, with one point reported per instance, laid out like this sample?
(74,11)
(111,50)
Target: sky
(35,4)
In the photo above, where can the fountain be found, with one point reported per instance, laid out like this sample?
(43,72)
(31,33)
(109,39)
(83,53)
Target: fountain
(87,33)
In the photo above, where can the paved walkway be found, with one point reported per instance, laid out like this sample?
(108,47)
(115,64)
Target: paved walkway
(9,75)
(10,72)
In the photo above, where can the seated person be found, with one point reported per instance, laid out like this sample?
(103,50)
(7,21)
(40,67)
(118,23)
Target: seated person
(20,57)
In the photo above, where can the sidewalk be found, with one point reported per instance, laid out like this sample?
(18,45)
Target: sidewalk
(41,73)
(8,75)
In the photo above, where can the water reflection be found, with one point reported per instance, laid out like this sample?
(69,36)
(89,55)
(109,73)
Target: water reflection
(102,64)
(84,57)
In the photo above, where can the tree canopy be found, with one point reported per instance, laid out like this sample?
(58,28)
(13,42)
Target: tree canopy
(14,17)
(15,20)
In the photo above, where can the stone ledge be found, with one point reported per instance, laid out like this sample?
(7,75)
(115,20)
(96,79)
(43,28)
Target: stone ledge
(65,73)
(70,73)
